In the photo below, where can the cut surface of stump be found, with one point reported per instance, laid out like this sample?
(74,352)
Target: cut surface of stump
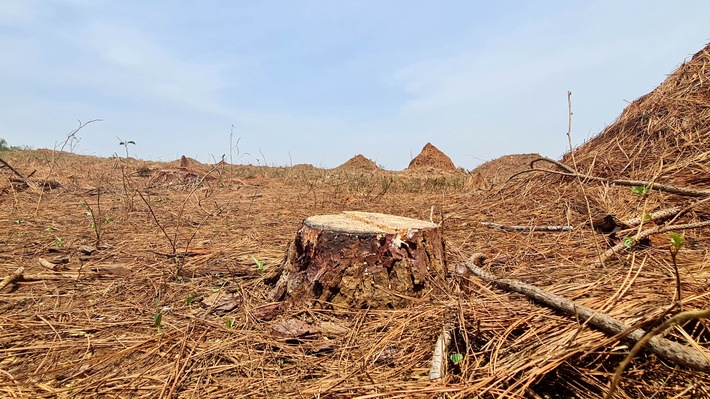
(361,260)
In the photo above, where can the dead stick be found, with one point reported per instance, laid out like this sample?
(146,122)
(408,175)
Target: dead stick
(567,171)
(662,347)
(658,215)
(654,230)
(677,319)
(17,275)
(438,359)
(7,165)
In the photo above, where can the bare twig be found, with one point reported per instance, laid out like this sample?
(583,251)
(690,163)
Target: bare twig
(647,338)
(70,136)
(17,275)
(567,171)
(7,165)
(438,359)
(669,350)
(654,230)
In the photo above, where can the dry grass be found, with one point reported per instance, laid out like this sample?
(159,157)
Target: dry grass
(88,330)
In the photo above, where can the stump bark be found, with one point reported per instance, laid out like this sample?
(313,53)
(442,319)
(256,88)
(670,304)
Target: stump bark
(361,260)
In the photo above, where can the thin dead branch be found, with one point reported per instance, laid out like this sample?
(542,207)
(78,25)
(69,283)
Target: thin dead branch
(567,171)
(669,350)
(677,319)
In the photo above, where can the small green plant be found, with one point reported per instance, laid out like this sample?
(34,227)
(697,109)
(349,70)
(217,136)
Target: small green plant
(629,242)
(158,316)
(19,221)
(190,299)
(259,265)
(125,144)
(58,242)
(677,241)
(456,358)
(641,190)
(229,323)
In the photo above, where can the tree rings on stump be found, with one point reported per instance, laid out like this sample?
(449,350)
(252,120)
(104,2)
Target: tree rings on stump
(361,260)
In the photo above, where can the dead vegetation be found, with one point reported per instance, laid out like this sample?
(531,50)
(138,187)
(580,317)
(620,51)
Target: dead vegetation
(161,281)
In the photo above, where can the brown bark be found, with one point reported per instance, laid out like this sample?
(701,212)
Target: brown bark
(361,260)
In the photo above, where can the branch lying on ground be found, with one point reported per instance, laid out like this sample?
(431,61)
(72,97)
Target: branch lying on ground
(658,215)
(567,171)
(654,230)
(677,319)
(438,359)
(7,165)
(664,348)
(17,275)
(526,228)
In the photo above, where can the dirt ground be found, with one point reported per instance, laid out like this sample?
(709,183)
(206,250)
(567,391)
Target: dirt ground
(145,280)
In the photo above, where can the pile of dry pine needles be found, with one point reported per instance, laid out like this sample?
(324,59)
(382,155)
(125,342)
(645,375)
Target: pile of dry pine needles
(149,280)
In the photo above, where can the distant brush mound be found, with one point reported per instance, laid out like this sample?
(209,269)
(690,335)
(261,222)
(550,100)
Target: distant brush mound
(670,125)
(359,163)
(500,170)
(432,158)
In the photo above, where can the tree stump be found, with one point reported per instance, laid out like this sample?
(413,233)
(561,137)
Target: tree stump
(362,260)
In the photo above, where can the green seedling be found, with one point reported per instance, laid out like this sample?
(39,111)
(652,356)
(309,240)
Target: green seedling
(456,358)
(676,244)
(629,242)
(676,241)
(259,265)
(125,144)
(190,299)
(158,316)
(229,323)
(58,242)
(19,221)
(640,190)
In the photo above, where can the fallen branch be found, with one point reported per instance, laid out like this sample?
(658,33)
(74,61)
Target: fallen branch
(662,347)
(653,230)
(567,171)
(655,216)
(526,228)
(438,359)
(7,165)
(677,319)
(17,275)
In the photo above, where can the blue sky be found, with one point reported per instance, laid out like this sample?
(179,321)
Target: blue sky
(319,81)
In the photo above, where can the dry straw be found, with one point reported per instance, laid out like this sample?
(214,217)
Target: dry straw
(91,329)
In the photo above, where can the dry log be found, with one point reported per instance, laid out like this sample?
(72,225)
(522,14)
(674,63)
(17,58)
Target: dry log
(361,260)
(669,350)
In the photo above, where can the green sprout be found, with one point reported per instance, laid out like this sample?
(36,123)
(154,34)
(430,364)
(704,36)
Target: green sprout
(640,190)
(676,240)
(158,316)
(259,265)
(125,144)
(629,242)
(190,298)
(456,358)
